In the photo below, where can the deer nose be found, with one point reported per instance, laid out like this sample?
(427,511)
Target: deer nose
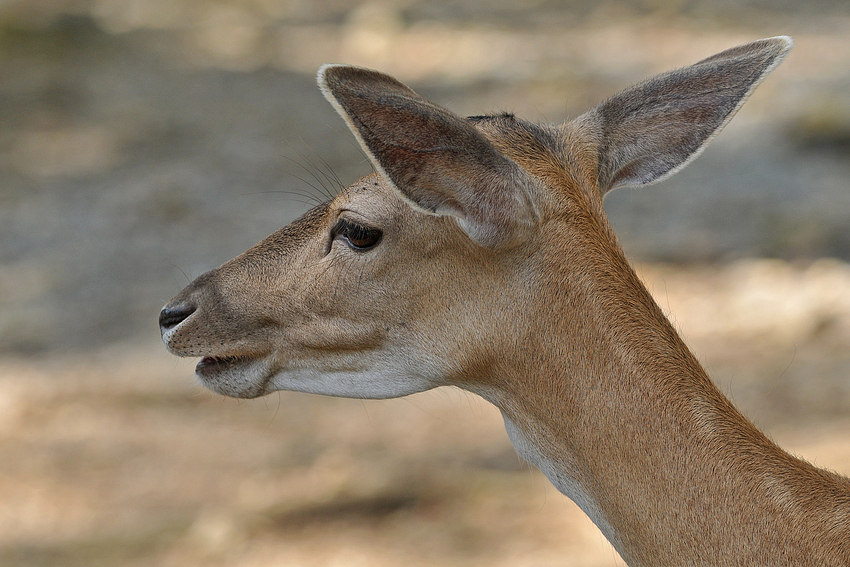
(173,315)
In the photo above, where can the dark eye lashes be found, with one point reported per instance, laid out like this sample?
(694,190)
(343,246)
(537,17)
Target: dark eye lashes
(357,236)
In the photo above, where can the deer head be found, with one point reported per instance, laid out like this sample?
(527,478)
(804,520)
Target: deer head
(479,244)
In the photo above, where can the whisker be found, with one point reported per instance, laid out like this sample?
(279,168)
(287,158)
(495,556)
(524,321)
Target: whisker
(331,174)
(310,199)
(321,192)
(326,178)
(321,187)
(185,275)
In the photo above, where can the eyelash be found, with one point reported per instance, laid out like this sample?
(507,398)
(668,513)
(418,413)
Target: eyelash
(358,237)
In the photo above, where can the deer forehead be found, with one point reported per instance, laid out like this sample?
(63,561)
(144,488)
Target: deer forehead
(370,197)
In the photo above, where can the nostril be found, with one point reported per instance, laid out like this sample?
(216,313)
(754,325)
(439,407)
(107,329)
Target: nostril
(171,316)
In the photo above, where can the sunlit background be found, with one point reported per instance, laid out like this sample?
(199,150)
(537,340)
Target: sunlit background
(143,142)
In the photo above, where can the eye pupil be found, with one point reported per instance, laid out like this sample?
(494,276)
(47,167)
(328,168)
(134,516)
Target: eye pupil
(357,236)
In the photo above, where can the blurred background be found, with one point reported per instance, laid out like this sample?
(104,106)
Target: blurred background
(143,142)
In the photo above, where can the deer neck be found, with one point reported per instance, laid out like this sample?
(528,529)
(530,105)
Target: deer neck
(621,418)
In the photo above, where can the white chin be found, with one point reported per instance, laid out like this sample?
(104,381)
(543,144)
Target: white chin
(371,384)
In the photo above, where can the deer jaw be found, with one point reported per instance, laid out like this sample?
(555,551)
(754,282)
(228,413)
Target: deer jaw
(487,226)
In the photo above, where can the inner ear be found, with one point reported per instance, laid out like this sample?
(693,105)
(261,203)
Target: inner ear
(652,130)
(436,160)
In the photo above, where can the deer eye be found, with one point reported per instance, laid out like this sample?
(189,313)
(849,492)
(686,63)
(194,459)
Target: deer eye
(357,236)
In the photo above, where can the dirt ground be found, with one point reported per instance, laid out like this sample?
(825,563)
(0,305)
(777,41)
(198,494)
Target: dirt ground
(144,142)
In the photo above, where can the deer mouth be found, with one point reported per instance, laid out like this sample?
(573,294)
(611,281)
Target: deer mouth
(210,366)
(239,376)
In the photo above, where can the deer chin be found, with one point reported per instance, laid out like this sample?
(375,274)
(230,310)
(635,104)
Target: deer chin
(239,376)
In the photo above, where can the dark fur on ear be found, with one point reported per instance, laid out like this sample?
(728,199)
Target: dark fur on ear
(438,161)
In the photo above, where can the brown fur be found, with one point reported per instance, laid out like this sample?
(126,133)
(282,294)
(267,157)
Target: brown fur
(498,272)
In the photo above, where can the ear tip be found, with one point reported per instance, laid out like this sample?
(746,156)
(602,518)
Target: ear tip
(781,43)
(775,50)
(785,40)
(326,72)
(336,78)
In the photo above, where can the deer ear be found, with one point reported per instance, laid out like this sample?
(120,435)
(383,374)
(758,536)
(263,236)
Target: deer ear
(652,130)
(438,161)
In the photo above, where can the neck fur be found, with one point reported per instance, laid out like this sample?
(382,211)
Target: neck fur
(625,422)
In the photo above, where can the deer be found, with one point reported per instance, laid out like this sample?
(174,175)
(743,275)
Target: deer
(477,254)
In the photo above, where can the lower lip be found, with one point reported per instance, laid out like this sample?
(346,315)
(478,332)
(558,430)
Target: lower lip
(234,376)
(210,365)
